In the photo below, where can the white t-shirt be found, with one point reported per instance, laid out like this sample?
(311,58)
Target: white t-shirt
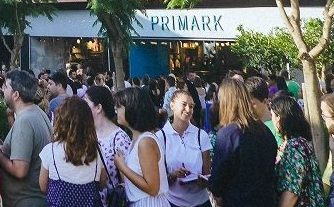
(185,151)
(67,171)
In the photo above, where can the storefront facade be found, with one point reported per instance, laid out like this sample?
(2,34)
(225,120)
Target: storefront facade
(166,41)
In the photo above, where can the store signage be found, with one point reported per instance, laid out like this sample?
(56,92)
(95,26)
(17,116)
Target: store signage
(166,24)
(209,24)
(186,23)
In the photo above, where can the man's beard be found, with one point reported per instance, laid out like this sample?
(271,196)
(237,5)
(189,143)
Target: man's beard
(9,104)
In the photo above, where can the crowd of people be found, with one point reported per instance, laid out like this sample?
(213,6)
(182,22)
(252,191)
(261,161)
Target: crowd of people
(166,142)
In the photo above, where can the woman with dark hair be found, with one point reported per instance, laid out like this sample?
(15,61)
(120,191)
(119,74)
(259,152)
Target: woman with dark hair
(298,175)
(187,154)
(154,93)
(272,85)
(244,155)
(110,136)
(281,84)
(71,167)
(143,169)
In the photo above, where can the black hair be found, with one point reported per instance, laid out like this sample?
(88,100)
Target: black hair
(59,78)
(73,70)
(40,74)
(284,74)
(281,84)
(146,80)
(214,114)
(257,88)
(90,81)
(31,72)
(23,82)
(139,109)
(198,82)
(101,95)
(292,121)
(328,79)
(272,77)
(136,81)
(281,93)
(170,81)
(212,93)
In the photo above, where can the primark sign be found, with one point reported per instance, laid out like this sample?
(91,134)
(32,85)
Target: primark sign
(180,24)
(210,24)
(187,23)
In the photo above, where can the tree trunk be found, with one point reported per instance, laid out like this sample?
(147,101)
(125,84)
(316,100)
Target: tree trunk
(15,52)
(314,113)
(117,51)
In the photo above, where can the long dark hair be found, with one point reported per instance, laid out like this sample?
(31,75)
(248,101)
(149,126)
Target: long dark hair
(74,126)
(101,95)
(292,121)
(139,109)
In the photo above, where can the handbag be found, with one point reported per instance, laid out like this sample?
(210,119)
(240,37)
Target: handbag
(116,196)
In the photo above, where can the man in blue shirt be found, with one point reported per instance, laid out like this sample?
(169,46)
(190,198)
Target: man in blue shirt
(57,88)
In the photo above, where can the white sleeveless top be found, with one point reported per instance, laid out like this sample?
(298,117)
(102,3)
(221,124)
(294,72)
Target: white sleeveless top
(132,160)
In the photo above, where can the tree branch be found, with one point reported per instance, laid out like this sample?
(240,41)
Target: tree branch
(109,24)
(17,19)
(284,16)
(293,24)
(295,11)
(326,30)
(5,42)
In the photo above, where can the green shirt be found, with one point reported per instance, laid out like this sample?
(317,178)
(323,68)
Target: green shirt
(293,88)
(298,172)
(278,136)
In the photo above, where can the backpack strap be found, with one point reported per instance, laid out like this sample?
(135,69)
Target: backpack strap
(103,162)
(199,139)
(118,174)
(164,135)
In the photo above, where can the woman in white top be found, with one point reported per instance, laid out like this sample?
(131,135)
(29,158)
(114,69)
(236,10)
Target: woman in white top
(144,170)
(187,151)
(71,168)
(109,135)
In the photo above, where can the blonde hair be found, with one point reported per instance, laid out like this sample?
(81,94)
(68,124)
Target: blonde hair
(235,105)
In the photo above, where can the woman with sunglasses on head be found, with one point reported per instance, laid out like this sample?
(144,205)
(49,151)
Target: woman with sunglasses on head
(187,151)
(110,136)
(143,169)
(298,175)
(245,151)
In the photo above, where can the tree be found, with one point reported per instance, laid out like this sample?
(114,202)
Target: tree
(312,33)
(181,3)
(117,18)
(13,17)
(261,51)
(307,56)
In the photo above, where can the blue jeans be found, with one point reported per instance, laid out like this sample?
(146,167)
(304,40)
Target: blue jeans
(206,204)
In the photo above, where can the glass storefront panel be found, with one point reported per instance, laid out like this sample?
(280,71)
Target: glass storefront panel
(54,53)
